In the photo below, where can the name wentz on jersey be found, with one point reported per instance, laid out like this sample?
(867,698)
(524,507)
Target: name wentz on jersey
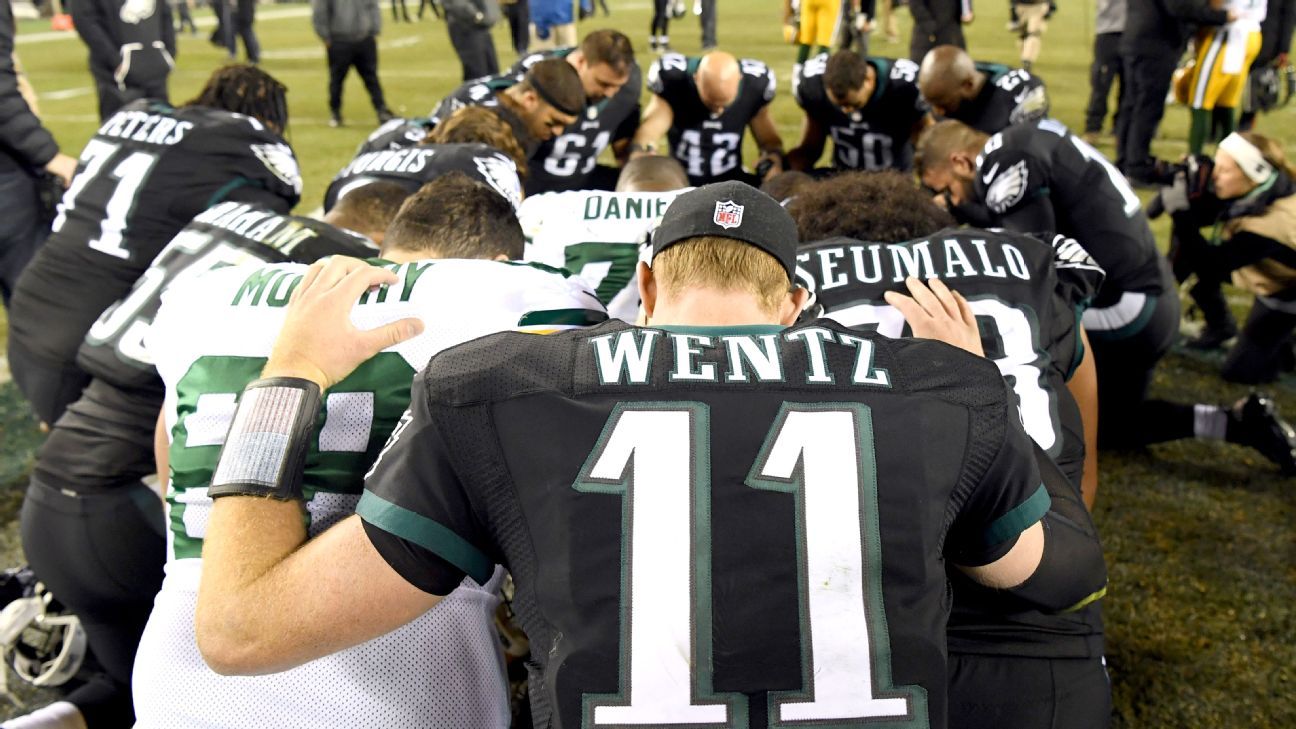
(567,161)
(877,137)
(147,172)
(599,236)
(228,234)
(709,146)
(1009,96)
(412,167)
(815,478)
(211,339)
(1039,176)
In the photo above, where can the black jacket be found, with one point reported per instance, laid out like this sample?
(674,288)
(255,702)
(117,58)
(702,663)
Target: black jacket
(1276,31)
(1162,27)
(24,143)
(132,42)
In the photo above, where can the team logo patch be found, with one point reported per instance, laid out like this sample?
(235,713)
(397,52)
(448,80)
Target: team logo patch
(501,174)
(279,159)
(728,214)
(1008,188)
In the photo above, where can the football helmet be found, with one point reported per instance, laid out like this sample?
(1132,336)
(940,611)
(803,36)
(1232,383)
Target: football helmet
(43,643)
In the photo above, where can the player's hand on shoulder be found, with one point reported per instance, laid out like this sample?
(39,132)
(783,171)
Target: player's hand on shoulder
(318,341)
(933,311)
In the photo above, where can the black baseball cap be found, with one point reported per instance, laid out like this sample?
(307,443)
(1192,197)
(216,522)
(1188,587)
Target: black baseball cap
(730,210)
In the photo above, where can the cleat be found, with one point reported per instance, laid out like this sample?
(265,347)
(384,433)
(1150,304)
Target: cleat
(1254,422)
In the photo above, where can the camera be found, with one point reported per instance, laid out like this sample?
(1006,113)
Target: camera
(1183,184)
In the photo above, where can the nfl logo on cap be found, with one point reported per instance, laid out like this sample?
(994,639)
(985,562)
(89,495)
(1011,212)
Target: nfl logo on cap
(728,214)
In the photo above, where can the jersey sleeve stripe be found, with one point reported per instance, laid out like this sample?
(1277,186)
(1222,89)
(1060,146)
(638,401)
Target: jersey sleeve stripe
(568,317)
(1021,516)
(420,530)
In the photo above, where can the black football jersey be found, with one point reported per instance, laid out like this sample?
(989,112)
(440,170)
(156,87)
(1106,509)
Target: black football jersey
(144,175)
(1009,96)
(228,234)
(566,161)
(412,167)
(709,147)
(877,137)
(1042,163)
(721,526)
(396,134)
(1027,296)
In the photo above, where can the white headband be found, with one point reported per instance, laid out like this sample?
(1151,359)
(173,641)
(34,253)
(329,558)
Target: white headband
(1248,157)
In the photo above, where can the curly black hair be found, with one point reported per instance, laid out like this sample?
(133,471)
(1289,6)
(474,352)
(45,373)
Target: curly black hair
(871,206)
(246,89)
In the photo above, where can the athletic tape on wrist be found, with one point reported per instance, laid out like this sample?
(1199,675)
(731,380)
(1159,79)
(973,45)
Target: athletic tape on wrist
(265,450)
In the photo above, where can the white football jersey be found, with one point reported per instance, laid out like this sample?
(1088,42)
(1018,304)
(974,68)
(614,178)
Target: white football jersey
(209,340)
(597,236)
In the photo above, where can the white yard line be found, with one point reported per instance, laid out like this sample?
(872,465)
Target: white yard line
(62,94)
(317,51)
(204,22)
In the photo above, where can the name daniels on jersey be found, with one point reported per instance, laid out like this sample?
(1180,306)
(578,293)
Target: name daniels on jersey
(610,207)
(626,357)
(872,262)
(267,228)
(139,126)
(389,160)
(271,286)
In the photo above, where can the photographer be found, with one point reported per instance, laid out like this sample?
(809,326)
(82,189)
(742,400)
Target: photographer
(1252,214)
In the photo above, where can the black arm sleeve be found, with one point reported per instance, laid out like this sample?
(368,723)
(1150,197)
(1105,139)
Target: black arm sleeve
(92,27)
(21,133)
(168,30)
(1286,18)
(1243,249)
(1031,217)
(1072,572)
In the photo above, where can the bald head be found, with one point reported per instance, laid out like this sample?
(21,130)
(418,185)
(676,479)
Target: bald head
(718,77)
(947,78)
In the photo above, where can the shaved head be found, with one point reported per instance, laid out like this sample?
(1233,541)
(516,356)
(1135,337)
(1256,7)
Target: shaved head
(948,77)
(718,77)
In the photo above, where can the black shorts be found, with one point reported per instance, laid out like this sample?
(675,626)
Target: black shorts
(1007,692)
(103,442)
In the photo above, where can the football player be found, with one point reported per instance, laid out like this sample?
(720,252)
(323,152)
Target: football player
(444,668)
(225,144)
(599,235)
(704,104)
(411,167)
(985,96)
(90,521)
(676,457)
(1039,176)
(539,106)
(613,82)
(870,107)
(1027,296)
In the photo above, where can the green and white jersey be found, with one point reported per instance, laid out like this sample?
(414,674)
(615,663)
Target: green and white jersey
(597,236)
(210,339)
(213,337)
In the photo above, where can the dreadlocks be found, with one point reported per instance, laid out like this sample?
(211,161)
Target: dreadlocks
(246,89)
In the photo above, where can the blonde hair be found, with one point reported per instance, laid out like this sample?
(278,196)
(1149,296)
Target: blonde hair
(723,264)
(1271,150)
(475,124)
(938,142)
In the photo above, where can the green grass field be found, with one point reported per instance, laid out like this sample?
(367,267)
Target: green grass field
(1199,537)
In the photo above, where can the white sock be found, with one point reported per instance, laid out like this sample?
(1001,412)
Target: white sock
(58,715)
(1209,421)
